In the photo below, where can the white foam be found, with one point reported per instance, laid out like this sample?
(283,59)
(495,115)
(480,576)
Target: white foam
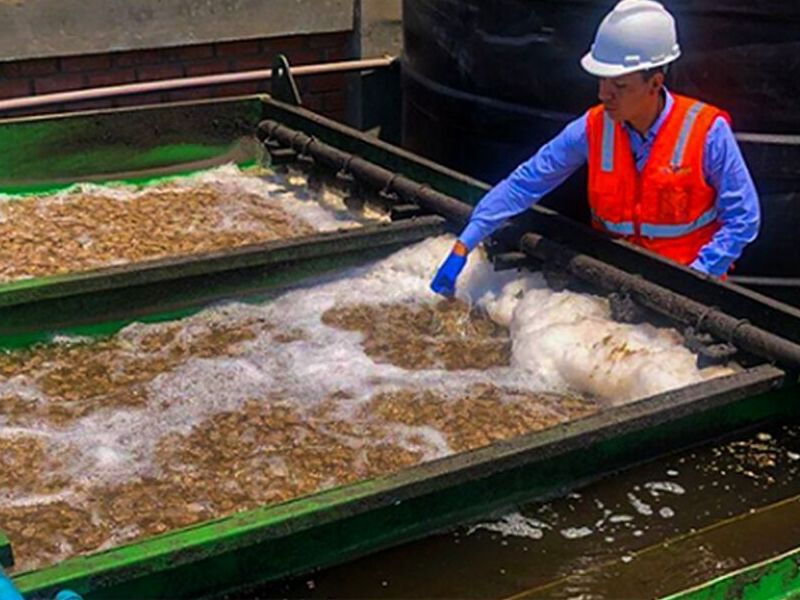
(642,507)
(576,533)
(561,342)
(323,211)
(514,525)
(665,486)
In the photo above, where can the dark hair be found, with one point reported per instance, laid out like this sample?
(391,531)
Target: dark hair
(648,74)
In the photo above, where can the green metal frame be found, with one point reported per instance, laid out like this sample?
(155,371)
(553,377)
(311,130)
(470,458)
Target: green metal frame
(775,579)
(45,154)
(343,523)
(103,301)
(333,526)
(6,556)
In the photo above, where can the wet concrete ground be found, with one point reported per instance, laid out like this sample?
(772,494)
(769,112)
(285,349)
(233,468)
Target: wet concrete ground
(650,531)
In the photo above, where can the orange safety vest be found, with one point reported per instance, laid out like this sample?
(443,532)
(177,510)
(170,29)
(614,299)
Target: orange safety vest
(669,207)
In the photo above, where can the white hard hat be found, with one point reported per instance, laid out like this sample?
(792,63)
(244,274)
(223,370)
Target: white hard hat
(636,35)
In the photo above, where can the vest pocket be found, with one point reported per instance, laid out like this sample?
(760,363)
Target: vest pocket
(673,199)
(610,203)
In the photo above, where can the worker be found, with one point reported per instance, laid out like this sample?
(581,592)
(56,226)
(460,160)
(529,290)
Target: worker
(9,592)
(665,172)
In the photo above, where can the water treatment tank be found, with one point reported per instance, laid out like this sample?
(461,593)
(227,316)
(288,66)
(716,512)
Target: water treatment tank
(486,83)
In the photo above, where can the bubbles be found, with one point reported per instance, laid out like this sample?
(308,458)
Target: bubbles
(514,525)
(665,486)
(641,507)
(576,533)
(321,376)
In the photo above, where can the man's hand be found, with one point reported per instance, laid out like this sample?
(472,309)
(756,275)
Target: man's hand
(445,281)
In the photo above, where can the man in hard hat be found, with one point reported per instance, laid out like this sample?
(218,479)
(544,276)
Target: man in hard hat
(665,172)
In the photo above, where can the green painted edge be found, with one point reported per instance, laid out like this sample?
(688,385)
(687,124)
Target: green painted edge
(176,289)
(773,579)
(336,525)
(133,145)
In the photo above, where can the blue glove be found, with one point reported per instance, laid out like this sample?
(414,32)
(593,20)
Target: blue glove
(7,589)
(445,281)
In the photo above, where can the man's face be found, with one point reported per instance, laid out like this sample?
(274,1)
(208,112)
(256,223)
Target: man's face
(628,96)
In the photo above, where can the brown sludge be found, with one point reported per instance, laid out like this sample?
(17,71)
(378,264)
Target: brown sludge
(83,231)
(268,451)
(81,378)
(445,335)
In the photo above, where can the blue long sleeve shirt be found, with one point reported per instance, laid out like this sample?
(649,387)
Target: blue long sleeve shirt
(723,167)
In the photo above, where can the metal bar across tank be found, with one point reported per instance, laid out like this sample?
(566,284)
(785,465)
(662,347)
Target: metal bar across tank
(146,288)
(145,87)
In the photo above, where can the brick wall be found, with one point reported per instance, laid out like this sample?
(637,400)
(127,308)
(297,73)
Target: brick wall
(326,94)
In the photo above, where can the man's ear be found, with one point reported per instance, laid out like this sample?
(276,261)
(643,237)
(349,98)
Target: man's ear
(657,82)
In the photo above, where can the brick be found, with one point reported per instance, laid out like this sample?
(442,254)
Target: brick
(327,40)
(138,57)
(89,105)
(191,94)
(334,100)
(188,52)
(93,62)
(325,83)
(338,53)
(250,63)
(336,115)
(9,69)
(154,72)
(115,77)
(313,102)
(305,57)
(139,99)
(238,89)
(13,88)
(208,67)
(58,83)
(34,68)
(284,44)
(238,48)
(27,112)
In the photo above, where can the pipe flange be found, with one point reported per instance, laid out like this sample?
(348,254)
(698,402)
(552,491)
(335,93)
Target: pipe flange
(699,323)
(733,330)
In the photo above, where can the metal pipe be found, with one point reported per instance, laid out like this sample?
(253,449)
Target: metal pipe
(679,308)
(664,301)
(190,82)
(379,178)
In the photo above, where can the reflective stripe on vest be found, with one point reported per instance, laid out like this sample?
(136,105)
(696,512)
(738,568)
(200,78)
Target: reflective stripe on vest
(621,228)
(607,163)
(686,129)
(652,230)
(674,231)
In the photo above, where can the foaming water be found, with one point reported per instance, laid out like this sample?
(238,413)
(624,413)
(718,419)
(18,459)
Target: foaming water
(89,226)
(283,357)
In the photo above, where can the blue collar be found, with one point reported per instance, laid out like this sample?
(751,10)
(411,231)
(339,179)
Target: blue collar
(669,101)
